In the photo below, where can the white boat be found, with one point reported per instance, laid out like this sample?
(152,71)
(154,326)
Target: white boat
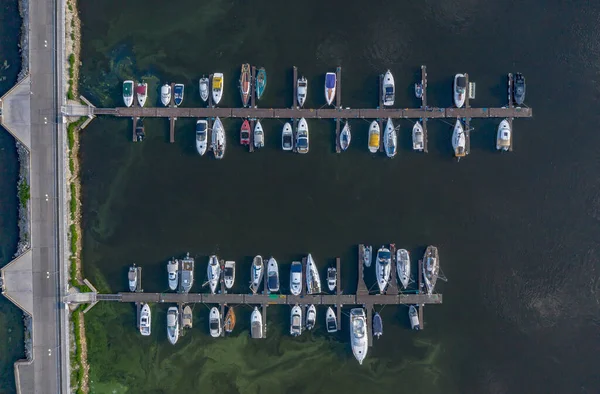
(311,317)
(403,266)
(259,135)
(431,268)
(388,89)
(345,137)
(141,91)
(296,278)
(390,139)
(383,268)
(418,139)
(503,136)
(272,275)
(201,136)
(173,324)
(302,84)
(460,90)
(215,324)
(413,316)
(368,255)
(358,334)
(459,140)
(256,324)
(165,94)
(229,274)
(296,321)
(374,135)
(331,321)
(132,278)
(302,143)
(128,93)
(204,89)
(287,137)
(145,320)
(173,273)
(186,275)
(217,87)
(257,272)
(213,272)
(218,142)
(331,278)
(313,280)
(330,86)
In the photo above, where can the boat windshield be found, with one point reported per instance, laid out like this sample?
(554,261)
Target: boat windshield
(358,327)
(331,274)
(302,142)
(214,326)
(461,83)
(228,272)
(172,275)
(384,255)
(389,90)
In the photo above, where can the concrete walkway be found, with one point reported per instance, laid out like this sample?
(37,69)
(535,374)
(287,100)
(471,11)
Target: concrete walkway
(16,111)
(17,279)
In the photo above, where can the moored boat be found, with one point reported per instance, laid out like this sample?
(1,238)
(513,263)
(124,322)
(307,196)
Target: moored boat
(459,140)
(187,318)
(245,84)
(245,133)
(229,323)
(418,139)
(201,136)
(128,93)
(331,321)
(345,137)
(213,272)
(419,90)
(330,86)
(431,268)
(204,89)
(390,139)
(374,134)
(358,334)
(377,325)
(287,137)
(141,92)
(311,317)
(302,143)
(218,139)
(259,135)
(218,80)
(165,94)
(313,280)
(413,316)
(367,255)
(178,91)
(132,278)
(331,278)
(139,130)
(388,89)
(145,320)
(173,324)
(519,88)
(173,273)
(296,321)
(229,274)
(403,266)
(214,323)
(503,136)
(257,272)
(272,275)
(256,324)
(302,87)
(296,278)
(460,90)
(383,268)
(261,82)
(186,276)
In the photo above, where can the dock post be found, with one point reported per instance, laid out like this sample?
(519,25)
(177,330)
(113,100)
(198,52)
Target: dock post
(139,280)
(265,280)
(253,88)
(135,100)
(370,323)
(424,107)
(172,103)
(304,266)
(393,284)
(338,91)
(294,134)
(361,288)
(467,119)
(338,148)
(210,99)
(172,129)
(380,91)
(138,306)
(511,106)
(251,145)
(295,82)
(264,318)
(382,134)
(339,305)
(134,136)
(420,284)
(222,318)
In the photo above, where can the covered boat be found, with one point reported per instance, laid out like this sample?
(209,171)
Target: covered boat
(128,93)
(229,274)
(245,84)
(229,323)
(519,88)
(140,134)
(377,325)
(145,320)
(287,137)
(256,274)
(296,278)
(141,92)
(178,91)
(460,90)
(302,142)
(345,137)
(383,268)
(331,278)
(261,82)
(272,275)
(259,135)
(419,90)
(218,139)
(413,316)
(313,280)
(330,86)
(367,255)
(245,133)
(132,278)
(331,321)
(311,317)
(201,136)
(418,139)
(186,275)
(187,319)
(388,89)
(217,87)
(173,324)
(256,324)
(358,334)
(214,322)
(296,321)
(165,94)
(204,89)
(503,136)
(302,87)
(374,134)
(173,273)
(213,272)
(459,141)
(431,268)
(403,266)
(390,139)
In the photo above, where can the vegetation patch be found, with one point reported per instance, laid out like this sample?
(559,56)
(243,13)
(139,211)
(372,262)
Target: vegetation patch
(24,192)
(76,317)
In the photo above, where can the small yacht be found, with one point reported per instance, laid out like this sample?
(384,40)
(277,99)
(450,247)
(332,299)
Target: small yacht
(256,324)
(132,278)
(186,275)
(187,318)
(368,255)
(217,87)
(256,273)
(296,278)
(418,139)
(165,94)
(261,82)
(145,320)
(403,266)
(178,90)
(419,90)
(331,278)
(218,139)
(272,275)
(390,139)
(374,134)
(330,86)
(229,274)
(503,136)
(287,137)
(259,135)
(313,280)
(311,317)
(213,273)
(345,137)
(141,92)
(204,90)
(302,85)
(173,273)
(431,268)
(214,323)
(302,136)
(296,321)
(245,84)
(229,323)
(519,88)
(377,325)
(388,89)
(459,140)
(201,136)
(173,324)
(245,133)
(139,130)
(460,90)
(358,334)
(383,268)
(413,316)
(331,321)
(128,93)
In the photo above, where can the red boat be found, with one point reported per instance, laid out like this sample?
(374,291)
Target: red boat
(245,133)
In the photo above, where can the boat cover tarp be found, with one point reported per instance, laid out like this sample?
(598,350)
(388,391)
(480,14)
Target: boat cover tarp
(141,89)
(461,82)
(377,324)
(330,81)
(127,89)
(200,126)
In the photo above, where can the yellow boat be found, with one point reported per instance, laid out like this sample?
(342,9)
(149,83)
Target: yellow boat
(374,135)
(229,320)
(217,87)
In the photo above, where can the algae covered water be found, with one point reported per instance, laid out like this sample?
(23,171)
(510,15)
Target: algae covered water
(516,232)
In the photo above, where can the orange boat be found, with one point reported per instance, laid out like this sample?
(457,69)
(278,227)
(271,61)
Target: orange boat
(245,84)
(229,320)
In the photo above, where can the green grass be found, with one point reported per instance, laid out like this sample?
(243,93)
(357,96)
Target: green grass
(73,201)
(74,238)
(76,317)
(71,165)
(24,193)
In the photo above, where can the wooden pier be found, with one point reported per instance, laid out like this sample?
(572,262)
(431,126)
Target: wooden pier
(253,88)
(467,119)
(295,82)
(511,105)
(338,90)
(424,106)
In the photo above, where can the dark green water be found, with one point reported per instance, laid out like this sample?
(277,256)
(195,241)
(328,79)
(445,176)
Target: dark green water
(517,233)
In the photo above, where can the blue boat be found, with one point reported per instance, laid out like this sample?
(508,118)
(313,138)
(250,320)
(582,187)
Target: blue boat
(377,325)
(261,82)
(178,94)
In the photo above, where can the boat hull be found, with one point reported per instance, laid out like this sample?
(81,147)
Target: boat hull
(178,92)
(377,325)
(203,85)
(345,137)
(358,334)
(413,316)
(313,280)
(128,93)
(218,83)
(374,135)
(201,136)
(296,321)
(296,278)
(503,136)
(273,275)
(245,84)
(390,139)
(311,317)
(302,91)
(214,323)
(367,255)
(331,321)
(431,267)
(165,95)
(173,325)
(403,266)
(302,140)
(213,273)
(261,82)
(287,137)
(145,323)
(257,272)
(218,139)
(256,324)
(142,93)
(330,87)
(418,137)
(229,323)
(259,135)
(388,89)
(383,269)
(460,93)
(459,139)
(229,274)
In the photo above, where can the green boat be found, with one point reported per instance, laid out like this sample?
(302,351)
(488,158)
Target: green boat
(261,82)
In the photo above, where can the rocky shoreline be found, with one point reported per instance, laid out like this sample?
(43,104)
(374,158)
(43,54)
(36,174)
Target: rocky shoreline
(24,243)
(24,44)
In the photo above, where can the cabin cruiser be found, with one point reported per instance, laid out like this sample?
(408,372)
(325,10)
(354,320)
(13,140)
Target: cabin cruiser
(245,84)
(460,90)
(178,91)
(203,85)
(390,139)
(173,324)
(256,273)
(331,321)
(302,136)
(388,89)
(311,317)
(201,136)
(139,130)
(132,277)
(519,88)
(259,135)
(374,135)
(229,274)
(213,273)
(302,90)
(296,321)
(287,137)
(173,273)
(187,318)
(256,324)
(214,323)
(313,280)
(186,275)
(367,255)
(245,133)
(503,136)
(419,90)
(218,139)
(217,87)
(296,278)
(358,334)
(165,95)
(403,266)
(377,325)
(459,140)
(272,275)
(145,320)
(413,316)
(330,85)
(383,268)
(431,268)
(331,278)
(345,137)
(141,92)
(418,140)
(128,93)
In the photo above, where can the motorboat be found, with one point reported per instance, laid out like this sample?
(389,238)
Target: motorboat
(519,88)
(217,87)
(331,321)
(256,273)
(374,134)
(377,325)
(245,133)
(173,273)
(165,94)
(383,268)
(178,91)
(186,275)
(132,278)
(287,137)
(272,275)
(503,136)
(388,89)
(403,266)
(331,278)
(173,324)
(345,137)
(245,84)
(187,318)
(460,90)
(431,268)
(358,334)
(302,136)
(218,142)
(139,130)
(145,320)
(261,82)
(418,139)
(330,86)
(256,324)
(229,274)
(229,323)
(311,317)
(296,321)
(141,91)
(213,272)
(204,90)
(390,139)
(201,136)
(259,135)
(296,278)
(459,140)
(128,93)
(302,87)
(367,255)
(413,316)
(419,90)
(313,280)
(214,322)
